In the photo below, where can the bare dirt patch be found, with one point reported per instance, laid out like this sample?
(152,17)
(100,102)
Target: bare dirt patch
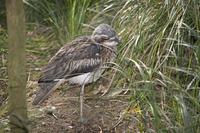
(60,113)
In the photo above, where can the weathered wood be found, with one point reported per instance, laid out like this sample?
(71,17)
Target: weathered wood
(16,66)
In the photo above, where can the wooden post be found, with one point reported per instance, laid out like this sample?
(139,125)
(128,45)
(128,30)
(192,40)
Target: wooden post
(16,66)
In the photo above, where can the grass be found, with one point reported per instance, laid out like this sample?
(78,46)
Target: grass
(161,60)
(158,60)
(61,20)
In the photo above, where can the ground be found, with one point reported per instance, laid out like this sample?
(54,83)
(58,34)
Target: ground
(60,113)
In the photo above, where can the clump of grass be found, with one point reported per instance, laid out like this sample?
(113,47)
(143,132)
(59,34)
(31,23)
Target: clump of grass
(60,20)
(159,62)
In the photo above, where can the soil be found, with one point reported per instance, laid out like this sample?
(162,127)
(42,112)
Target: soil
(60,113)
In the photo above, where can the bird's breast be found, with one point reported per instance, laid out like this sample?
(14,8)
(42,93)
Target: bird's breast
(86,78)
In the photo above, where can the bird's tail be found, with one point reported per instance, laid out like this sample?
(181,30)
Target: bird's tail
(45,90)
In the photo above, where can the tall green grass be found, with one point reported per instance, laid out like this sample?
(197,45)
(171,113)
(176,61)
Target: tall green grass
(60,20)
(159,62)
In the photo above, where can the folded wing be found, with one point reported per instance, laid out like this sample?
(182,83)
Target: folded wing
(78,57)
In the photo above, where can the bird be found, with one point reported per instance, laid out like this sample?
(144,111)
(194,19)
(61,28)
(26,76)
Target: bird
(82,61)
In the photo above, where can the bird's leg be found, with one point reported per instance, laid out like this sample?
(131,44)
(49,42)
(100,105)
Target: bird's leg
(81,102)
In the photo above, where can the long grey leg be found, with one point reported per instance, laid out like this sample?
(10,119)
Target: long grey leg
(81,102)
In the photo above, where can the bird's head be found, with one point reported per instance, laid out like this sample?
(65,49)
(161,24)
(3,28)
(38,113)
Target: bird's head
(106,35)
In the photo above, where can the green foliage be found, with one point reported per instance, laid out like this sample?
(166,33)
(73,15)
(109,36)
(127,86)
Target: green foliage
(159,59)
(60,20)
(3,36)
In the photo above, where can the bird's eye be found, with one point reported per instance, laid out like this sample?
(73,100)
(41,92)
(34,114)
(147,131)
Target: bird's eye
(100,38)
(104,37)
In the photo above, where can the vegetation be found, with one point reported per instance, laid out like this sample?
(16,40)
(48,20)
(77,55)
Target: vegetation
(158,61)
(59,20)
(161,56)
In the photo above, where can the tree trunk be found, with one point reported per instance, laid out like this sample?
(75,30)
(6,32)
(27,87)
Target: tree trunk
(16,66)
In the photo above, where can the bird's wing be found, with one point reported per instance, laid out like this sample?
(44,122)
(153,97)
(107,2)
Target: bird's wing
(81,56)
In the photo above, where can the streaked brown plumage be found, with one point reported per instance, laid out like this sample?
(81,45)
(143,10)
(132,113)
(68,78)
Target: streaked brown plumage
(80,62)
